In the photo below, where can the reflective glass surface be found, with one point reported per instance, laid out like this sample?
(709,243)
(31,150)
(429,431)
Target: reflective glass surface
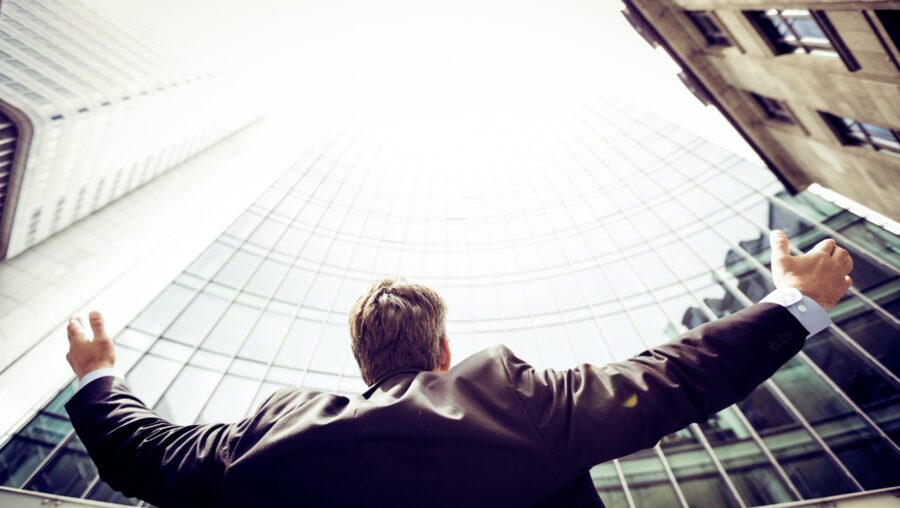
(589,237)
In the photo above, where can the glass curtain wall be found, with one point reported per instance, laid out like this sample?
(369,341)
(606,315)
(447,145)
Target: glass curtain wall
(597,233)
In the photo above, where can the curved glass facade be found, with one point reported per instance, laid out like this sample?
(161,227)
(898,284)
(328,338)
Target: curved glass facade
(591,236)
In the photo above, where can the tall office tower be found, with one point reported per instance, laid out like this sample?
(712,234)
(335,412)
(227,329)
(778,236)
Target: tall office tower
(587,236)
(814,90)
(92,107)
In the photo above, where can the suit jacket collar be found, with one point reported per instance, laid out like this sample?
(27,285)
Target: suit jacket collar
(368,393)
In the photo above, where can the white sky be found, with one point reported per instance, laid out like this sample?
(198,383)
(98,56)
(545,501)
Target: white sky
(415,60)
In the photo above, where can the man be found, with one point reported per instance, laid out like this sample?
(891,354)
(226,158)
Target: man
(491,431)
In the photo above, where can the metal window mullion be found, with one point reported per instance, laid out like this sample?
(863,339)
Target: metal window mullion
(625,489)
(668,469)
(786,402)
(66,439)
(796,413)
(712,456)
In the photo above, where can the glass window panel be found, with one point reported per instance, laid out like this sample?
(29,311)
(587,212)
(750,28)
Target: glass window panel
(873,463)
(323,291)
(295,286)
(620,335)
(695,472)
(333,349)
(238,269)
(212,259)
(160,313)
(647,480)
(799,455)
(554,345)
(292,241)
(267,336)
(652,269)
(565,288)
(68,473)
(268,233)
(623,279)
(871,330)
(606,481)
(869,389)
(185,398)
(197,319)
(150,377)
(652,323)
(320,381)
(231,400)
(752,473)
(18,459)
(244,225)
(520,341)
(232,329)
(300,343)
(267,278)
(588,343)
(57,405)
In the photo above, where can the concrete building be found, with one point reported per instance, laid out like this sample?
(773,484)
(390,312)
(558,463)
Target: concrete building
(813,86)
(92,108)
(595,233)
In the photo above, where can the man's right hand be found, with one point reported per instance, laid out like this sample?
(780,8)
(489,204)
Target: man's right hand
(820,274)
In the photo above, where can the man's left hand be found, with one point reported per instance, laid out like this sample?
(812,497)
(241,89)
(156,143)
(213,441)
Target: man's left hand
(86,354)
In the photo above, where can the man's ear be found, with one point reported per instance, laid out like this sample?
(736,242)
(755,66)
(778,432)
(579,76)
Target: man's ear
(445,354)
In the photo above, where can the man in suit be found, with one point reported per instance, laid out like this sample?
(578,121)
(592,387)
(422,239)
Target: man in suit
(491,431)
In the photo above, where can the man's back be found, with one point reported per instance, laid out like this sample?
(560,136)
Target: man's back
(461,438)
(490,432)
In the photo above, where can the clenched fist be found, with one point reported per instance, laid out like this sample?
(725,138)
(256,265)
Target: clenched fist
(85,354)
(820,274)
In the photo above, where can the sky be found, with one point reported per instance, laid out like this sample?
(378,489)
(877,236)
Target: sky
(435,64)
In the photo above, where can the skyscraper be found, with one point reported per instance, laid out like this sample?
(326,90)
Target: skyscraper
(812,86)
(587,236)
(92,108)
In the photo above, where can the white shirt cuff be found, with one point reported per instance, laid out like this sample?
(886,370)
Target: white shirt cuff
(810,314)
(97,374)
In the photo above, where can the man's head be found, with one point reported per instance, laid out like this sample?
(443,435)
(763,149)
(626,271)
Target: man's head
(396,325)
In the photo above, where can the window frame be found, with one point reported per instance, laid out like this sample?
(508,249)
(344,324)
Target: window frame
(779,44)
(843,131)
(779,113)
(700,18)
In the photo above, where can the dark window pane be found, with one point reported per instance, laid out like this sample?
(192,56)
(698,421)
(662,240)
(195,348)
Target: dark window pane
(870,390)
(68,473)
(866,455)
(751,471)
(647,480)
(804,461)
(606,481)
(18,458)
(695,472)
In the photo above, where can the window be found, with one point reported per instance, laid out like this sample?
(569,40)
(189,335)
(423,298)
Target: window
(792,30)
(890,19)
(708,27)
(855,132)
(773,108)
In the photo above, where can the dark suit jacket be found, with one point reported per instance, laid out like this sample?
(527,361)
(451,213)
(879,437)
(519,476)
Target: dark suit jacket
(492,431)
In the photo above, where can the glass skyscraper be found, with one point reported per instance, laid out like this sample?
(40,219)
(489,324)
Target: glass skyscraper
(592,235)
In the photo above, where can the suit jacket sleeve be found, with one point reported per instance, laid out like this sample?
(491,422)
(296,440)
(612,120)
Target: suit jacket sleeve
(144,456)
(590,414)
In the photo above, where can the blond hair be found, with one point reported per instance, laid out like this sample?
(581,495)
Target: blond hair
(396,325)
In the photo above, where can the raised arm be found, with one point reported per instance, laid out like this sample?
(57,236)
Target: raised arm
(588,415)
(136,451)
